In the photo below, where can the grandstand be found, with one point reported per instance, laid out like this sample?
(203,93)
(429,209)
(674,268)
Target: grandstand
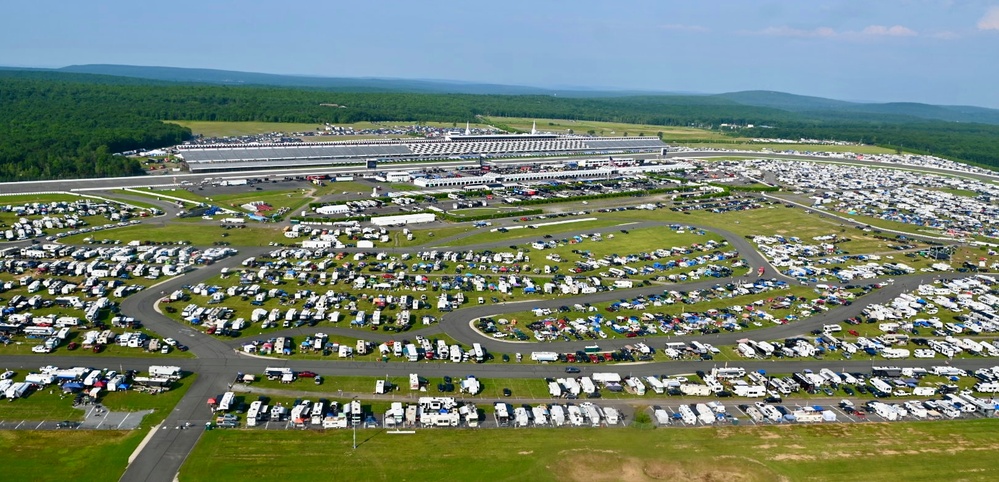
(229,157)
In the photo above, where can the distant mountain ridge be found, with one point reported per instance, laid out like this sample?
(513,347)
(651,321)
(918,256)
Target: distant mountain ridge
(809,106)
(358,84)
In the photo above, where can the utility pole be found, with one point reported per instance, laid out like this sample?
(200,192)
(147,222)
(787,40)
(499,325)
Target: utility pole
(354,425)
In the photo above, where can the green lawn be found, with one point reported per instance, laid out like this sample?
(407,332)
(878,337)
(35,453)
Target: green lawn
(37,198)
(759,146)
(43,405)
(519,235)
(135,203)
(178,192)
(219,129)
(291,198)
(113,350)
(604,129)
(787,222)
(959,192)
(59,455)
(523,318)
(917,451)
(197,234)
(435,236)
(482,211)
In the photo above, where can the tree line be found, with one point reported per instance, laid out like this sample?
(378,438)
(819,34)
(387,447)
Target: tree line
(57,125)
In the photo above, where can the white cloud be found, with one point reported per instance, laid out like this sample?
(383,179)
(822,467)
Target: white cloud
(785,31)
(894,31)
(946,35)
(827,32)
(684,28)
(990,21)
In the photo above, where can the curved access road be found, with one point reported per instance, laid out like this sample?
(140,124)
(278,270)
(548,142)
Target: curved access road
(217,361)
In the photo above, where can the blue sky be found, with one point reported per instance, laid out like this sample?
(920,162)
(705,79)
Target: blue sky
(944,52)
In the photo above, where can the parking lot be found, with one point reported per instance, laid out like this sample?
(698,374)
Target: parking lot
(96,417)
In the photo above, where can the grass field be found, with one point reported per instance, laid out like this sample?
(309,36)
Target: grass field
(927,451)
(59,455)
(291,198)
(135,203)
(112,350)
(220,129)
(37,198)
(427,236)
(523,318)
(42,405)
(759,146)
(958,192)
(608,128)
(197,234)
(518,235)
(482,211)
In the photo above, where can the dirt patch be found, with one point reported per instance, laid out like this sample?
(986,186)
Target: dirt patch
(600,467)
(525,452)
(793,457)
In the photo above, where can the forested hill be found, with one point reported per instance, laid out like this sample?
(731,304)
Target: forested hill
(64,125)
(52,130)
(344,84)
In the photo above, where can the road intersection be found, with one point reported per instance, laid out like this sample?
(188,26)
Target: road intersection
(218,361)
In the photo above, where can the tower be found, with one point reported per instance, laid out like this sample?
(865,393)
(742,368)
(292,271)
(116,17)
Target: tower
(468,129)
(534,128)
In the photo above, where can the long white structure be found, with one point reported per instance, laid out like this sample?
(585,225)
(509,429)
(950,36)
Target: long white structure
(598,173)
(403,219)
(227,157)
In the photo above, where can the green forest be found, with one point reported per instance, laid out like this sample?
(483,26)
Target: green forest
(61,125)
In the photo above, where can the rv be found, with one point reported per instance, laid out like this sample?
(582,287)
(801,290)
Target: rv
(171,372)
(225,404)
(557,414)
(687,415)
(253,414)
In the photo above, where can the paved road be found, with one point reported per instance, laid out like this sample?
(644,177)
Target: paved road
(172,179)
(217,361)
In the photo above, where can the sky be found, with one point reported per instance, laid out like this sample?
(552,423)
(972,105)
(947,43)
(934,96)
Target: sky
(941,52)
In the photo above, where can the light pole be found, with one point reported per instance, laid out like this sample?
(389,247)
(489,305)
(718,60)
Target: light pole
(353,423)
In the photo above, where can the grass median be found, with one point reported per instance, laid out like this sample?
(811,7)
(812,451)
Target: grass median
(916,451)
(79,455)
